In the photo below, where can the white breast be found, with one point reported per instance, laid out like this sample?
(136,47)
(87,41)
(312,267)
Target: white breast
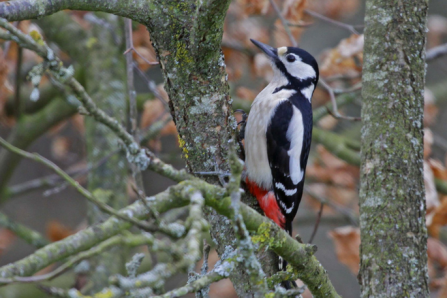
(295,134)
(263,107)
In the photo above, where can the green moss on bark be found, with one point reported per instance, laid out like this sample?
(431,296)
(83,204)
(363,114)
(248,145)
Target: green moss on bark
(392,196)
(106,72)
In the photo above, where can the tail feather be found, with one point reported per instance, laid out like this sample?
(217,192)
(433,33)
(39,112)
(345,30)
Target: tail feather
(268,203)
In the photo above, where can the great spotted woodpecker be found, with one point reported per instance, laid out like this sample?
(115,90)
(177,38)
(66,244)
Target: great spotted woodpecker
(278,134)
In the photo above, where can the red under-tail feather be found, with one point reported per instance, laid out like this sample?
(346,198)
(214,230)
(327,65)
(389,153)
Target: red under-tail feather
(267,202)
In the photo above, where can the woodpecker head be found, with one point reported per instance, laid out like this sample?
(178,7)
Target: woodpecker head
(294,64)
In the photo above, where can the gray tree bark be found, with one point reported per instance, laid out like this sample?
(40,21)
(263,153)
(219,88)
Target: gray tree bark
(392,195)
(106,85)
(187,38)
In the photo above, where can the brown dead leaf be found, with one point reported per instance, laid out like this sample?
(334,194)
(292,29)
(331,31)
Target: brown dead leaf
(5,86)
(439,171)
(345,59)
(152,111)
(330,169)
(438,219)
(142,43)
(335,9)
(293,10)
(57,231)
(430,108)
(431,194)
(437,252)
(55,129)
(60,147)
(78,122)
(347,243)
(437,29)
(328,122)
(253,7)
(263,67)
(6,239)
(428,142)
(223,288)
(280,35)
(245,93)
(147,54)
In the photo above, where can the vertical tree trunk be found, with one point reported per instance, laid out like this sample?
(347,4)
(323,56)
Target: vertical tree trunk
(106,77)
(187,37)
(392,195)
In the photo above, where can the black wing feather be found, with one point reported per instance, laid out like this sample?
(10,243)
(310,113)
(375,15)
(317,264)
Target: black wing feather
(278,146)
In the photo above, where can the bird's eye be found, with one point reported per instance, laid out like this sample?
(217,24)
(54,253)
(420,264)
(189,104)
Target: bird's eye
(291,58)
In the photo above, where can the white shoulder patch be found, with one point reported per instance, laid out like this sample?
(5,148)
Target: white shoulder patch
(295,134)
(307,92)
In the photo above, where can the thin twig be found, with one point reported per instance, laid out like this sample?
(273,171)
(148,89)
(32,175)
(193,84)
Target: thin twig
(89,196)
(155,129)
(331,21)
(129,240)
(342,210)
(436,52)
(301,24)
(354,88)
(151,85)
(334,111)
(7,44)
(52,180)
(30,236)
(285,23)
(129,43)
(133,112)
(141,156)
(317,223)
(18,82)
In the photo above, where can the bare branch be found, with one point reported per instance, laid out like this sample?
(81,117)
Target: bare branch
(133,112)
(436,52)
(30,236)
(142,157)
(348,27)
(89,196)
(317,223)
(284,22)
(298,255)
(342,210)
(128,240)
(32,9)
(335,111)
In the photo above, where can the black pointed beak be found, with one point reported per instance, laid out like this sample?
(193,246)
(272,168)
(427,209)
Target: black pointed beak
(268,50)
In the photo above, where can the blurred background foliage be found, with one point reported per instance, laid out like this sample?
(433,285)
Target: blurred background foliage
(329,29)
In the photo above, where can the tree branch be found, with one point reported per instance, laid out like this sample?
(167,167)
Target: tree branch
(30,236)
(436,52)
(297,254)
(33,9)
(142,157)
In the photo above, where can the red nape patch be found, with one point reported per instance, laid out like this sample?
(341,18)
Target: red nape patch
(267,202)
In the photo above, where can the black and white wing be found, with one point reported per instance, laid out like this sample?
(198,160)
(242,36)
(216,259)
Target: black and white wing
(288,143)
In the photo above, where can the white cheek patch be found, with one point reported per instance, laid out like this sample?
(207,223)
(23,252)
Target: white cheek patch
(295,134)
(307,92)
(298,69)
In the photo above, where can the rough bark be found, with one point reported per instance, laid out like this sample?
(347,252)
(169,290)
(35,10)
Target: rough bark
(392,195)
(106,70)
(187,37)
